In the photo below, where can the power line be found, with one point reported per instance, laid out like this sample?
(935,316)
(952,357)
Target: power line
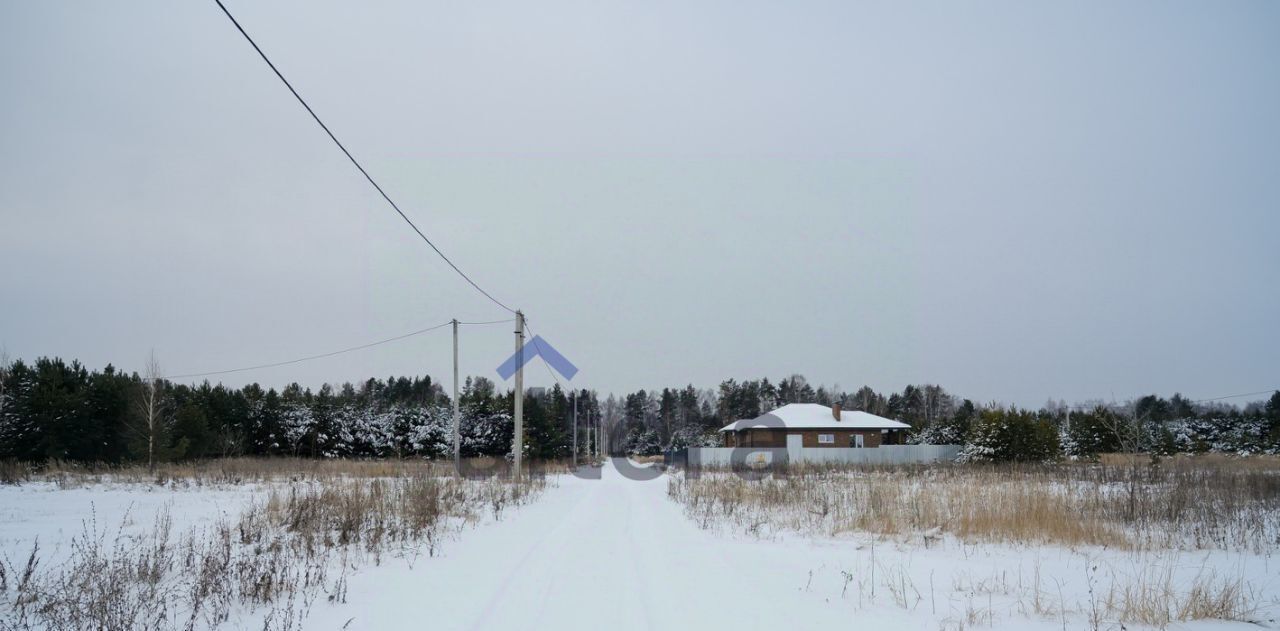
(1236,396)
(534,338)
(331,353)
(354,161)
(488,322)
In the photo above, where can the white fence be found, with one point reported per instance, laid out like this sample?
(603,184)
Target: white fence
(736,457)
(764,456)
(885,454)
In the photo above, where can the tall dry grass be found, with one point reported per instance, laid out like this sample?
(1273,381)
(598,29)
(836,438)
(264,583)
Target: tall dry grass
(1186,503)
(1142,515)
(234,471)
(265,568)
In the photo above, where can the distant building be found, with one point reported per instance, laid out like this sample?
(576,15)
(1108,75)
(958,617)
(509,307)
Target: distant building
(536,392)
(817,425)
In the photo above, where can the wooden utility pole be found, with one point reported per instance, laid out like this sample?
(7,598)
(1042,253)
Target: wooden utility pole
(457,423)
(518,446)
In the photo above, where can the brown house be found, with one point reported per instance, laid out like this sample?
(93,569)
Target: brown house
(817,426)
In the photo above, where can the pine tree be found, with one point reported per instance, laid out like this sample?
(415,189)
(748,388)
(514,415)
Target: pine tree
(20,434)
(1272,415)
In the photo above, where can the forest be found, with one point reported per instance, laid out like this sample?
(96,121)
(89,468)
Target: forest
(54,409)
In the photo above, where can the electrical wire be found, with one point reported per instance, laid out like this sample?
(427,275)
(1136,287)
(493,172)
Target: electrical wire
(1236,396)
(533,337)
(311,357)
(356,162)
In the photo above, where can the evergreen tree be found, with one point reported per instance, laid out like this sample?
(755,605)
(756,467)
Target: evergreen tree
(1093,432)
(1012,435)
(109,408)
(191,437)
(21,436)
(1272,415)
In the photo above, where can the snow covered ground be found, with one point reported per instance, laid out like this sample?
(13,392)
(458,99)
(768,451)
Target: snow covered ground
(44,513)
(619,554)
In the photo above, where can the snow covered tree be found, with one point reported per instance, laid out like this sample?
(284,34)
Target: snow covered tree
(643,442)
(431,432)
(951,429)
(1012,435)
(1091,433)
(296,422)
(4,378)
(20,434)
(1272,415)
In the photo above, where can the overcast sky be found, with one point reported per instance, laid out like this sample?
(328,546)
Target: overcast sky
(1016,200)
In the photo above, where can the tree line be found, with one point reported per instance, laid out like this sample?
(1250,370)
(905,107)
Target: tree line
(647,422)
(53,409)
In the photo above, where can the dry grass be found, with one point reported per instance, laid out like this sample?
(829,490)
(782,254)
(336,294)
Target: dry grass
(1189,503)
(1155,599)
(283,553)
(1260,462)
(14,472)
(234,471)
(1145,516)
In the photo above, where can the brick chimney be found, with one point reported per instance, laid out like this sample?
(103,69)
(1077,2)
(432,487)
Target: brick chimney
(835,411)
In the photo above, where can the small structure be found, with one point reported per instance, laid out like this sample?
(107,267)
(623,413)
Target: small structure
(816,426)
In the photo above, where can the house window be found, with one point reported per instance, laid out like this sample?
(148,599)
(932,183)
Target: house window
(857,440)
(826,439)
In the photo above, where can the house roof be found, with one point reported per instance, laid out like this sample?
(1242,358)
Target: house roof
(814,416)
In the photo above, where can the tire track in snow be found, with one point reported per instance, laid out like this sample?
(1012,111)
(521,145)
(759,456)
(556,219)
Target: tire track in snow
(500,596)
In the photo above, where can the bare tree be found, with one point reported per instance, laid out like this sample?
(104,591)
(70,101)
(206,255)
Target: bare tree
(937,404)
(150,407)
(1130,434)
(612,422)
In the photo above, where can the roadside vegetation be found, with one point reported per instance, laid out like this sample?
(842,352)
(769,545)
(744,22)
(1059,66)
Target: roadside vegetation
(1186,502)
(235,471)
(312,524)
(1129,507)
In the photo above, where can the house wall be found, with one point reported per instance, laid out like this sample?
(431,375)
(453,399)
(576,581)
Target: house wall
(843,438)
(769,437)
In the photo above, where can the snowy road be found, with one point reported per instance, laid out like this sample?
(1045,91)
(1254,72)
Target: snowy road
(613,552)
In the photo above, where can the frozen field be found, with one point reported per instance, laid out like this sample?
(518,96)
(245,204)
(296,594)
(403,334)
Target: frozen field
(45,513)
(620,554)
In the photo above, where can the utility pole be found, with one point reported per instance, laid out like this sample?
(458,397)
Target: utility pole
(575,429)
(518,446)
(457,424)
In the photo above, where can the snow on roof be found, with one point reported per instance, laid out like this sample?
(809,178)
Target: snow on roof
(814,416)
